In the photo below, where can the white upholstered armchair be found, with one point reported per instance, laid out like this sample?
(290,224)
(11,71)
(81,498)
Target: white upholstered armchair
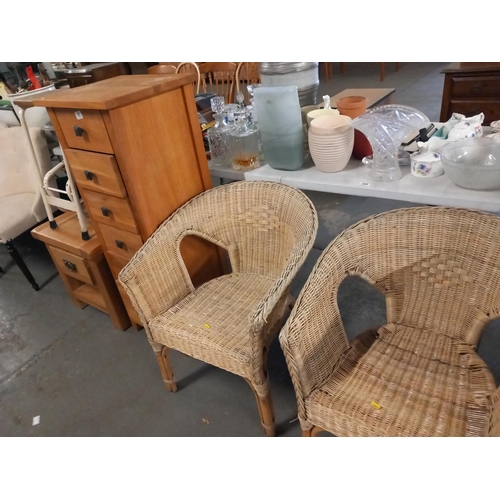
(21,205)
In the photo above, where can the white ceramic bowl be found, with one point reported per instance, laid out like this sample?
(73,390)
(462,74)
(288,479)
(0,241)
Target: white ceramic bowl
(316,113)
(330,125)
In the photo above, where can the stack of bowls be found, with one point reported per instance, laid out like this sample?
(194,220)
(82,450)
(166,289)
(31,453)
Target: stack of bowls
(331,139)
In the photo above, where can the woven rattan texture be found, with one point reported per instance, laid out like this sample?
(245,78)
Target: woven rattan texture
(209,324)
(267,229)
(439,269)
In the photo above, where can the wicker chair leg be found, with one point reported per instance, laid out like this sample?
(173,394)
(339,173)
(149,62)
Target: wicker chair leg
(315,431)
(166,370)
(312,432)
(266,410)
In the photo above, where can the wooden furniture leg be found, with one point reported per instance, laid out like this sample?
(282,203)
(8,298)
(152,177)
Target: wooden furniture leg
(382,71)
(312,432)
(328,70)
(266,410)
(166,370)
(342,68)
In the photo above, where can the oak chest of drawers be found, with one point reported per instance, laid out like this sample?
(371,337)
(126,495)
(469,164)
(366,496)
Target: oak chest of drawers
(470,89)
(135,149)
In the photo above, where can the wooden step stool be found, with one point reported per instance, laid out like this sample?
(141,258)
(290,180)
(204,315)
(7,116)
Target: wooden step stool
(83,267)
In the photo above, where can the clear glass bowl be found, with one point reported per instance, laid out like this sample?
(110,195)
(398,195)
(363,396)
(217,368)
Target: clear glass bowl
(473,163)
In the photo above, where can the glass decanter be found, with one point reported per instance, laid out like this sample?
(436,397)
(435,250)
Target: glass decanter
(251,91)
(218,135)
(253,123)
(244,143)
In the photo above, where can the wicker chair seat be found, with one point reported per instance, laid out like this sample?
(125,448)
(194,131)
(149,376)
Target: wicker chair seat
(425,383)
(212,323)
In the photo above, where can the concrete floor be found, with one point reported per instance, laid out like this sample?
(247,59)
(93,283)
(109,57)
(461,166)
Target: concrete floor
(83,377)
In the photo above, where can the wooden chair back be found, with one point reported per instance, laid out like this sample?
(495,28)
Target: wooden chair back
(190,67)
(220,78)
(162,69)
(247,73)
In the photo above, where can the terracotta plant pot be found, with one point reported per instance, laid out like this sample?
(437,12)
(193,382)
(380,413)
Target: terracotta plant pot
(355,106)
(352,106)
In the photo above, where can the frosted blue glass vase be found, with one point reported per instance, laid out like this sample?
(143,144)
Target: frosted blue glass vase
(280,123)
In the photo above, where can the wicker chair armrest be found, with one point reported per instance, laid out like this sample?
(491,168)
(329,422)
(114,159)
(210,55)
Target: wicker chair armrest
(260,314)
(494,429)
(314,339)
(156,278)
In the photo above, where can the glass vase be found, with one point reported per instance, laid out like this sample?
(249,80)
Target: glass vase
(280,124)
(386,127)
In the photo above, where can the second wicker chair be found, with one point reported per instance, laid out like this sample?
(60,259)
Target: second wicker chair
(419,374)
(267,229)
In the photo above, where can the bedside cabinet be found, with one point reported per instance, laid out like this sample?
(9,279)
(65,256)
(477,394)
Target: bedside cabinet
(135,149)
(82,267)
(470,89)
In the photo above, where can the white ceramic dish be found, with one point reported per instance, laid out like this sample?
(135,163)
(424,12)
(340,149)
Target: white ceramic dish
(426,164)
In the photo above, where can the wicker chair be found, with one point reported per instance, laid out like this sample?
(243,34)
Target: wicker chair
(267,229)
(419,374)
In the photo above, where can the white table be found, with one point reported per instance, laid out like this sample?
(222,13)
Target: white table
(354,180)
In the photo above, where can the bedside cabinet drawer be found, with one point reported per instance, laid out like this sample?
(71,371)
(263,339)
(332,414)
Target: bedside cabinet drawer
(70,264)
(96,171)
(475,86)
(84,129)
(119,242)
(110,210)
(471,107)
(116,264)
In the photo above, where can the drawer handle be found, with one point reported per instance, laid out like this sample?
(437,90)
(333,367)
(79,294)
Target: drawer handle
(70,265)
(78,130)
(105,211)
(119,243)
(476,90)
(88,175)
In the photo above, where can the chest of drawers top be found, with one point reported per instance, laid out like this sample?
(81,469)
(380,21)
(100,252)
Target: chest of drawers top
(113,92)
